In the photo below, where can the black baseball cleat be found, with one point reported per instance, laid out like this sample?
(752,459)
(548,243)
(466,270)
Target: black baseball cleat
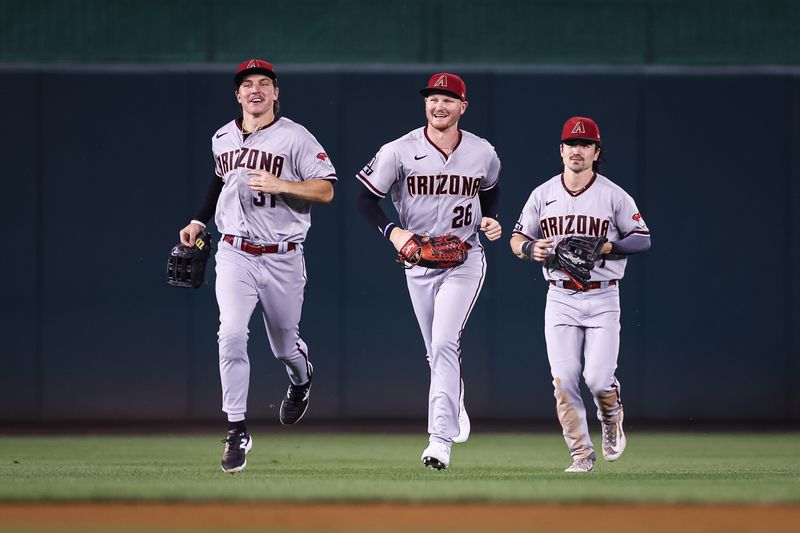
(237,444)
(294,406)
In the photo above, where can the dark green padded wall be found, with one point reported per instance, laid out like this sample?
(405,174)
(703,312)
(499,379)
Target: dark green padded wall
(634,32)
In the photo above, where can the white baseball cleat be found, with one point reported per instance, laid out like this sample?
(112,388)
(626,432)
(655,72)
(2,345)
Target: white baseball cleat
(581,465)
(463,421)
(436,456)
(614,440)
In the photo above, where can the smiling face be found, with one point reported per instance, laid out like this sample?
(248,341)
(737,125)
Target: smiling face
(443,111)
(257,94)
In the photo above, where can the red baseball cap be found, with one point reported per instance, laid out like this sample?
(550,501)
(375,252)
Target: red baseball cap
(254,66)
(446,83)
(580,128)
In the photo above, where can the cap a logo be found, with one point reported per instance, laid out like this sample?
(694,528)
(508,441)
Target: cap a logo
(252,64)
(441,81)
(578,128)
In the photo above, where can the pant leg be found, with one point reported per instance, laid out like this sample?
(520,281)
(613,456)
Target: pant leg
(601,352)
(565,341)
(422,286)
(281,293)
(236,296)
(454,301)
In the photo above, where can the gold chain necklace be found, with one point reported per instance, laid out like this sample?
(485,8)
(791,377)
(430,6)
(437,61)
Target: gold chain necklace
(257,128)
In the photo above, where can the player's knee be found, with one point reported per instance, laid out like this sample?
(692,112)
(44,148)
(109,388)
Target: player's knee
(443,347)
(284,343)
(565,386)
(232,340)
(598,382)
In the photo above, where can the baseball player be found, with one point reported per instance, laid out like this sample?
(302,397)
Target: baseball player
(268,172)
(442,180)
(579,201)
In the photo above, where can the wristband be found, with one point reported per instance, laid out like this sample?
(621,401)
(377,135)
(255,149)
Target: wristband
(388,229)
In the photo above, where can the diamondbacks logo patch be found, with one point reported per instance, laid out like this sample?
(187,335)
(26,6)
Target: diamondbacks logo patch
(441,81)
(322,156)
(578,128)
(252,64)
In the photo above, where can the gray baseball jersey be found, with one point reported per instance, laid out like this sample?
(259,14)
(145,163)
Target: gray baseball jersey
(432,193)
(284,148)
(582,324)
(602,209)
(435,194)
(276,281)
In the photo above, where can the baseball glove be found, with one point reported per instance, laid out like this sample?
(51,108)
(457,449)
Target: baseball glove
(576,255)
(186,266)
(444,251)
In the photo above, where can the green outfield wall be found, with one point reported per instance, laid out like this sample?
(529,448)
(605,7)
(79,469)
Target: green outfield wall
(617,32)
(108,107)
(101,167)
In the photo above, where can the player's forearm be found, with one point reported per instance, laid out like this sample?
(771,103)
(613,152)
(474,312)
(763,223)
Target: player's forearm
(490,202)
(516,243)
(632,244)
(206,210)
(317,190)
(369,207)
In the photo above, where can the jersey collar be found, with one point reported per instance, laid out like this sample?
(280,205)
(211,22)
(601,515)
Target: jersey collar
(582,189)
(460,136)
(240,120)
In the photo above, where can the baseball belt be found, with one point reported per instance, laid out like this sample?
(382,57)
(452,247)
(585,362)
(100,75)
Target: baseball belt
(259,249)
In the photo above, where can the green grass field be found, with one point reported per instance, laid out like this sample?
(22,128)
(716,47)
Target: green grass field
(656,468)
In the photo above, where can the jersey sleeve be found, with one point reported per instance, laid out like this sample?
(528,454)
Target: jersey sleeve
(628,218)
(380,174)
(492,173)
(312,161)
(528,223)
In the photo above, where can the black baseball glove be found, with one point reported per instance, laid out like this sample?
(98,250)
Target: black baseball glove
(186,265)
(576,255)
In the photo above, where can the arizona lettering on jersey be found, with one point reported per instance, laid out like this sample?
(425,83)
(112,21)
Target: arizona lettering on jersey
(434,193)
(573,224)
(443,185)
(287,150)
(602,209)
(250,158)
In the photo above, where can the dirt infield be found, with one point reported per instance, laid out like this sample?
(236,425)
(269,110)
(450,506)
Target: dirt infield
(405,517)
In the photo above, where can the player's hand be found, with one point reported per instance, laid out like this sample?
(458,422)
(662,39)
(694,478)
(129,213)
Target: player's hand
(541,248)
(189,234)
(491,228)
(263,181)
(399,237)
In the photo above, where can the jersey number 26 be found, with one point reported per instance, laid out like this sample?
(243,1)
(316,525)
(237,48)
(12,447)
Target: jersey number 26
(463,216)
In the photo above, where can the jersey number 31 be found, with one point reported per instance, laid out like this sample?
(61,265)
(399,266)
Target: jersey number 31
(261,200)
